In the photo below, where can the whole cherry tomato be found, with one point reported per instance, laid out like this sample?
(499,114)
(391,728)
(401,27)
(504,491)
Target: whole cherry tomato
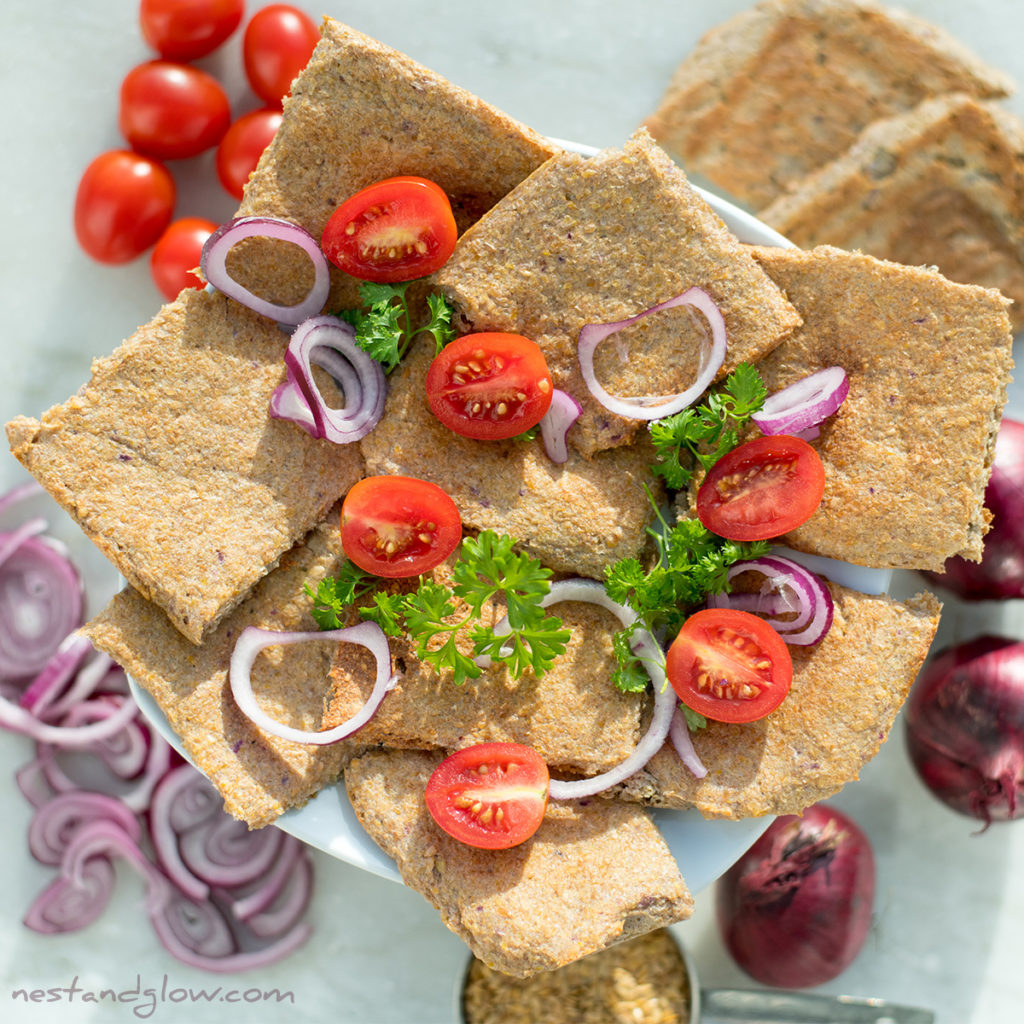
(176,255)
(172,111)
(124,203)
(187,29)
(277,45)
(242,146)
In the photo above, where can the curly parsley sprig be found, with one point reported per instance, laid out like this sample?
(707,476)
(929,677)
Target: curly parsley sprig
(383,327)
(434,615)
(706,432)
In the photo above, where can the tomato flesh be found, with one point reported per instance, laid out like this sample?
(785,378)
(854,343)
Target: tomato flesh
(398,526)
(762,489)
(172,111)
(394,230)
(490,386)
(176,255)
(729,665)
(187,29)
(276,46)
(123,205)
(492,795)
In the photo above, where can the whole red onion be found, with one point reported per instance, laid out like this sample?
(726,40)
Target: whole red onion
(795,909)
(965,728)
(1000,573)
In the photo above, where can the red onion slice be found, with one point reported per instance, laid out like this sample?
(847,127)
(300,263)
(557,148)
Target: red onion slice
(62,667)
(55,822)
(563,412)
(682,740)
(329,343)
(253,640)
(67,905)
(108,719)
(214,257)
(804,404)
(653,407)
(800,590)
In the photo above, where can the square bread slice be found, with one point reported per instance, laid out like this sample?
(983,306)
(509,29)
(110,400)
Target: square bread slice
(575,517)
(258,775)
(846,693)
(170,462)
(600,239)
(360,112)
(942,185)
(786,86)
(908,455)
(595,873)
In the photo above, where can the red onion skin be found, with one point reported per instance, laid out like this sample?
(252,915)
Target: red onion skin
(795,909)
(1000,573)
(965,728)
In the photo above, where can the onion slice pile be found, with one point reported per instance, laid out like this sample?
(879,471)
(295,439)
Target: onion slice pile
(563,412)
(653,407)
(803,405)
(254,639)
(214,264)
(329,343)
(787,587)
(665,701)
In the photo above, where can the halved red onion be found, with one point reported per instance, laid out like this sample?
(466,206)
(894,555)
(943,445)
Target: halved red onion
(253,639)
(40,600)
(787,587)
(329,343)
(563,412)
(213,264)
(805,403)
(653,407)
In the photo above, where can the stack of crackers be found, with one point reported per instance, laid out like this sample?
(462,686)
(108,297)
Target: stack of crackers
(842,122)
(221,517)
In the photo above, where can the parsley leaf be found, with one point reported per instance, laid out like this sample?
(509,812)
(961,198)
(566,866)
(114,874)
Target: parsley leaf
(334,594)
(707,432)
(440,322)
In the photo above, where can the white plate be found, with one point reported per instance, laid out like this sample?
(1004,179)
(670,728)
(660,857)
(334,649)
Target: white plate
(702,848)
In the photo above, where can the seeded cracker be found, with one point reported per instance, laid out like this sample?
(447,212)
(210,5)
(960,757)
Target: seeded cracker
(941,185)
(785,87)
(846,693)
(170,462)
(259,776)
(595,873)
(908,455)
(601,239)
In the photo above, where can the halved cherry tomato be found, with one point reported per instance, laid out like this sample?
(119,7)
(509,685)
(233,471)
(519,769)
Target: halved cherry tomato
(123,205)
(394,230)
(397,526)
(276,46)
(176,255)
(729,665)
(188,29)
(489,386)
(492,795)
(762,489)
(242,146)
(172,111)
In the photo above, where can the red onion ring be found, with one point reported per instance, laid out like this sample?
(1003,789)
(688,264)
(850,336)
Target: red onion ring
(292,899)
(682,740)
(563,412)
(63,666)
(805,403)
(55,823)
(329,343)
(109,718)
(653,407)
(214,257)
(800,590)
(253,639)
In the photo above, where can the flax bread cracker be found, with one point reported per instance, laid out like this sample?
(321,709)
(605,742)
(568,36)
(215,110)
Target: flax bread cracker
(942,184)
(359,112)
(908,455)
(595,873)
(258,775)
(785,87)
(573,716)
(576,517)
(846,693)
(600,239)
(171,464)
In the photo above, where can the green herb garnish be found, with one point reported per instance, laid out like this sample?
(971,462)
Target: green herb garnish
(708,431)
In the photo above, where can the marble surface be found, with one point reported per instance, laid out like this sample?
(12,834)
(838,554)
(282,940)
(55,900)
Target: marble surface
(948,929)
